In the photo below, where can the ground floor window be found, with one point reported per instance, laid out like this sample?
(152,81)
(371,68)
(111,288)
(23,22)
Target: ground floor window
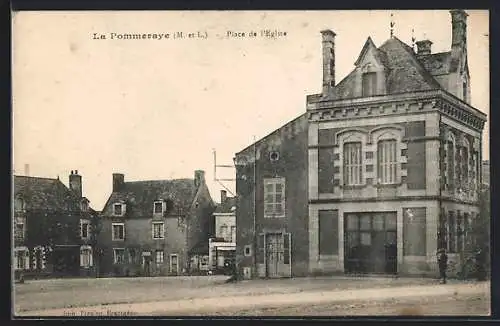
(119,255)
(21,258)
(159,257)
(85,256)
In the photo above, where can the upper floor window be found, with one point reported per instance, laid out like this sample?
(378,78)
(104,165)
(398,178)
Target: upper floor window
(353,163)
(19,204)
(84,206)
(274,197)
(223,231)
(158,207)
(19,229)
(118,231)
(387,161)
(158,230)
(84,229)
(118,209)
(369,84)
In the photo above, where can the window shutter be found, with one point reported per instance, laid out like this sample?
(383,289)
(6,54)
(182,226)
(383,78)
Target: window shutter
(27,259)
(261,241)
(287,246)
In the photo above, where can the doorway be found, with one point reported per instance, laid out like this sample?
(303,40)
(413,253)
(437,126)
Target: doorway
(278,254)
(370,242)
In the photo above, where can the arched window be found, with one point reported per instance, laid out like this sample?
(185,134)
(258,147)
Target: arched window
(387,161)
(464,155)
(449,162)
(19,204)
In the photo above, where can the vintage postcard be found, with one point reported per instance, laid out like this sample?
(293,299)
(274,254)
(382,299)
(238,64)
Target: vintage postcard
(250,163)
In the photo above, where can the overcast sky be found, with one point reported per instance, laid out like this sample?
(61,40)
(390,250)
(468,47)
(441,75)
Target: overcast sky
(155,109)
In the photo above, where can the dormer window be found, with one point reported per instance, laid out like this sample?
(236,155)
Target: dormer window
(369,84)
(118,209)
(158,207)
(84,206)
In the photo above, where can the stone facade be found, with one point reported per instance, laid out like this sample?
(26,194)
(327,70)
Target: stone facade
(158,225)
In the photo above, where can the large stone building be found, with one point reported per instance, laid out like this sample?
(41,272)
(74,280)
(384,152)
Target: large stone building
(394,157)
(393,160)
(151,227)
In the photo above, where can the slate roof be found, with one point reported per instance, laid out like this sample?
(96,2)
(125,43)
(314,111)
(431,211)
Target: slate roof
(44,193)
(226,206)
(437,63)
(139,197)
(405,72)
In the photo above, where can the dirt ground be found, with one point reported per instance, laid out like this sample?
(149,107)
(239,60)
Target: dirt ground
(68,293)
(436,306)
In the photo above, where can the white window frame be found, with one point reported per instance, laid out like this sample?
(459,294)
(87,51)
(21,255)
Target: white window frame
(162,203)
(249,249)
(86,249)
(21,254)
(387,161)
(82,222)
(170,263)
(450,171)
(272,213)
(161,254)
(113,231)
(352,166)
(115,260)
(18,209)
(162,230)
(122,206)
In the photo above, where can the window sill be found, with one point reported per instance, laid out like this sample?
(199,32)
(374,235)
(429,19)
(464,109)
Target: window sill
(387,185)
(360,186)
(159,238)
(117,239)
(274,216)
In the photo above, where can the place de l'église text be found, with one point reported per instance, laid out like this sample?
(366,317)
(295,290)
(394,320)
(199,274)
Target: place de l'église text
(229,34)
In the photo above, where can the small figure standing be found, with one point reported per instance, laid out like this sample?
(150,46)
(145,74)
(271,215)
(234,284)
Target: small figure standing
(480,262)
(442,258)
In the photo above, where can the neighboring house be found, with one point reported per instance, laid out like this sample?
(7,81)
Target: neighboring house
(271,211)
(150,227)
(222,247)
(392,161)
(394,158)
(48,220)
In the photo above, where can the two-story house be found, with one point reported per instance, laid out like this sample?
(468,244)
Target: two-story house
(48,227)
(222,247)
(271,210)
(149,227)
(394,158)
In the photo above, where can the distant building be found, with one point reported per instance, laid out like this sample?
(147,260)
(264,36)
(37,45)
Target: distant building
(151,227)
(53,233)
(222,247)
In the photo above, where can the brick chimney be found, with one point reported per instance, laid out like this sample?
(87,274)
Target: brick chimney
(75,183)
(423,47)
(27,170)
(223,196)
(459,28)
(199,177)
(328,44)
(118,182)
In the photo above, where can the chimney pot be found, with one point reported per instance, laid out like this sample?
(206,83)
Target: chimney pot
(76,171)
(328,43)
(199,177)
(118,182)
(423,47)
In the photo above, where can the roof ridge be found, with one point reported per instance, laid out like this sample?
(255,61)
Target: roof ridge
(160,180)
(33,177)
